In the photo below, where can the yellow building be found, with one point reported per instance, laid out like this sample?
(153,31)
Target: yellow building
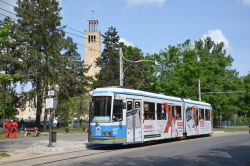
(92,44)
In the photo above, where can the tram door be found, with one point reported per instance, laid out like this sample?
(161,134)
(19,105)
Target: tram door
(133,113)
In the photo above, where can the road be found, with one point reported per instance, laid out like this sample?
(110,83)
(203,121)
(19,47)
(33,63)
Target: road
(226,149)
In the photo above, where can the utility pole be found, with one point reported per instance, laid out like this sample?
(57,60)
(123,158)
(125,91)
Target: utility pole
(121,67)
(199,89)
(3,110)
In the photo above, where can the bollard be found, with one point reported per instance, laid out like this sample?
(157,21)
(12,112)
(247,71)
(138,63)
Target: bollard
(53,136)
(66,129)
(249,129)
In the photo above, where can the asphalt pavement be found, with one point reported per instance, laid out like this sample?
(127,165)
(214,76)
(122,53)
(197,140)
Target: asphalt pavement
(219,149)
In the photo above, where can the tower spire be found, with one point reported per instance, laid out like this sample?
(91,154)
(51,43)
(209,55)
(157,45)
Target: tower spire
(93,14)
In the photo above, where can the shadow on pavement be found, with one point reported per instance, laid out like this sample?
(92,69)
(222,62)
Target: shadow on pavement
(229,156)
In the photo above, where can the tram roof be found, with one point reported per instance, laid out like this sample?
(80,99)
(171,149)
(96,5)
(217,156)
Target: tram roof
(118,90)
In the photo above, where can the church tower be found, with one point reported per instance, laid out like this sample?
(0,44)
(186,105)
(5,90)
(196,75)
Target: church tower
(92,44)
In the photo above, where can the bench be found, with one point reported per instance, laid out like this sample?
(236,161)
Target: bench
(34,130)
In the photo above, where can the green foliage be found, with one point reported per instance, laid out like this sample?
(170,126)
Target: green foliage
(48,57)
(240,121)
(137,75)
(10,67)
(183,65)
(109,60)
(4,154)
(10,109)
(246,99)
(74,107)
(177,73)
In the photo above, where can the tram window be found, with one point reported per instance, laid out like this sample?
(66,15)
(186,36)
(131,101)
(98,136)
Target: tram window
(172,111)
(129,105)
(207,114)
(137,104)
(201,115)
(189,113)
(117,110)
(196,118)
(178,112)
(161,112)
(149,111)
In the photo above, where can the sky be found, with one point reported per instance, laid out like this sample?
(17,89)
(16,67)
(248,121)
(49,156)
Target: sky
(152,25)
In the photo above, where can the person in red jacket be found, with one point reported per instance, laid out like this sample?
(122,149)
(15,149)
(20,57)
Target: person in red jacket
(14,129)
(7,125)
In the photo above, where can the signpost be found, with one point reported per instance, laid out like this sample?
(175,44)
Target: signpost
(50,104)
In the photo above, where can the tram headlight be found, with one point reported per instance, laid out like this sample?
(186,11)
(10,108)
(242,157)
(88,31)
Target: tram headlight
(106,133)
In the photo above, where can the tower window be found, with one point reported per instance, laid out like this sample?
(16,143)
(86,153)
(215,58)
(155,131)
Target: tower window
(89,38)
(94,39)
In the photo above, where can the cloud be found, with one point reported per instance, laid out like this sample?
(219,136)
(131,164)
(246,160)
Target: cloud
(126,42)
(158,3)
(246,2)
(217,36)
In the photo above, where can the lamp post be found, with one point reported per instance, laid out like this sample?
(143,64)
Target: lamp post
(121,67)
(3,110)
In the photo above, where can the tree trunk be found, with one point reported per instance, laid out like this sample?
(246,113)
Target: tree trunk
(39,102)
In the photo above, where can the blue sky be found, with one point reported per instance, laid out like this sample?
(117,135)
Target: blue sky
(152,25)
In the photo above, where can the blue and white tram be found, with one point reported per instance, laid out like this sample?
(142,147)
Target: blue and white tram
(125,116)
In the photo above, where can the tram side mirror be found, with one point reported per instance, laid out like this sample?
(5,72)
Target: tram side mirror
(124,104)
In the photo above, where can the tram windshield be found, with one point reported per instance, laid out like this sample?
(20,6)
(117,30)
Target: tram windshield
(101,109)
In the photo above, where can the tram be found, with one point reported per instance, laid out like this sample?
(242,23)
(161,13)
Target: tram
(126,116)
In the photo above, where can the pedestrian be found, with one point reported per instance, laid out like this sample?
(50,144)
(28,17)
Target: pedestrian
(14,129)
(22,125)
(7,125)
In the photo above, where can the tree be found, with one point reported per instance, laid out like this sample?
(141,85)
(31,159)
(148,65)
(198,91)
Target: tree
(10,66)
(49,57)
(137,75)
(73,81)
(73,107)
(109,60)
(183,65)
(246,99)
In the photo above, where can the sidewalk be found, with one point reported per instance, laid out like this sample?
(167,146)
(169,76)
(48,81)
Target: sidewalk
(25,148)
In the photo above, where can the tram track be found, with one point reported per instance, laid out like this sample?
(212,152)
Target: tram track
(96,150)
(54,155)
(75,157)
(89,151)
